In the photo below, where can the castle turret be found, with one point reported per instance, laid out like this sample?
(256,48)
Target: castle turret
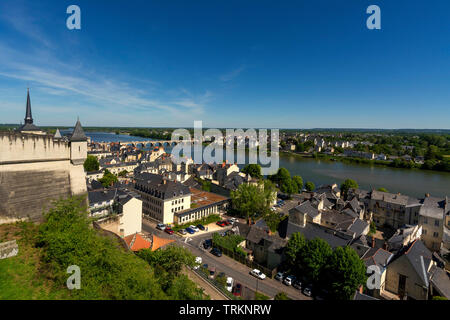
(78,145)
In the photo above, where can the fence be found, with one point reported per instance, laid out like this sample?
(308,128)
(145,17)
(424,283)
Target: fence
(243,259)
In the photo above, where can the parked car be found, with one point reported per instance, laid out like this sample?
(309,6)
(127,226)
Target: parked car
(229,285)
(233,219)
(201,227)
(168,230)
(258,274)
(289,280)
(221,223)
(307,291)
(279,276)
(160,226)
(189,230)
(194,228)
(207,244)
(182,232)
(237,291)
(216,252)
(227,223)
(212,272)
(297,285)
(198,262)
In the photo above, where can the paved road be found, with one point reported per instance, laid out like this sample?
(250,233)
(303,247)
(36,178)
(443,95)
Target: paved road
(239,272)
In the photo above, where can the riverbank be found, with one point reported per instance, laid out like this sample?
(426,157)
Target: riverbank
(403,164)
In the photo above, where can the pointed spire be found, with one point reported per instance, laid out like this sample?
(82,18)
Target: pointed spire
(78,133)
(57,134)
(28,117)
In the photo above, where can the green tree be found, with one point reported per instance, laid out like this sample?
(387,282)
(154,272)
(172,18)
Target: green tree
(383,190)
(252,200)
(254,170)
(108,178)
(313,257)
(289,186)
(108,272)
(123,173)
(295,244)
(299,182)
(310,186)
(281,296)
(281,176)
(91,164)
(348,184)
(373,228)
(345,272)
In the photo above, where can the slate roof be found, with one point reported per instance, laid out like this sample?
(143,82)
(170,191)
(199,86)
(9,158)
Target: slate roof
(28,125)
(419,257)
(101,196)
(78,133)
(377,256)
(390,197)
(311,231)
(433,207)
(362,296)
(233,181)
(358,227)
(159,187)
(441,281)
(306,208)
(57,134)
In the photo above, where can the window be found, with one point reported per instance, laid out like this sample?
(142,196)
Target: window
(425,221)
(424,231)
(436,223)
(435,234)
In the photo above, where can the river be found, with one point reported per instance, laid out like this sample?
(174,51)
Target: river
(412,182)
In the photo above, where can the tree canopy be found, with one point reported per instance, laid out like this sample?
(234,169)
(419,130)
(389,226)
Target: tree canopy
(310,186)
(254,170)
(253,200)
(91,164)
(108,179)
(347,185)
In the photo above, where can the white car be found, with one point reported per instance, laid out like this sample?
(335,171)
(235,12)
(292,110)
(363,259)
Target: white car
(258,274)
(289,280)
(194,228)
(198,262)
(161,226)
(229,284)
(233,220)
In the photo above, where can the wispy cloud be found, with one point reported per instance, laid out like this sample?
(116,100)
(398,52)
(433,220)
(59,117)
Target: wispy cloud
(39,67)
(233,74)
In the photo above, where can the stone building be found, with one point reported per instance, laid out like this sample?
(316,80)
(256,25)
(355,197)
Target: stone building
(36,167)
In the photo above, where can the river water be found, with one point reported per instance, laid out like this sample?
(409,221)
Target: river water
(412,182)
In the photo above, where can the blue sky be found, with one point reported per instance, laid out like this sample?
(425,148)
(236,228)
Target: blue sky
(286,64)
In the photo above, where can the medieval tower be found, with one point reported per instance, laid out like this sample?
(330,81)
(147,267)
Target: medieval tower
(36,168)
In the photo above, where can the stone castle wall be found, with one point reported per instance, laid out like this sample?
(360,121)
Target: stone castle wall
(34,170)
(21,147)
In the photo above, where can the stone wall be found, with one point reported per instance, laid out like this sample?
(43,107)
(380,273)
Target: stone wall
(27,189)
(34,170)
(23,148)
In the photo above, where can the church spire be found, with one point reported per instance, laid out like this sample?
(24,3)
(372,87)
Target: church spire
(28,117)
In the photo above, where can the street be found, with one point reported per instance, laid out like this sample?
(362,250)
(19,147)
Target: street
(239,272)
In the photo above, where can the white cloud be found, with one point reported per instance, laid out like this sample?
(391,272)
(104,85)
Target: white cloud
(233,74)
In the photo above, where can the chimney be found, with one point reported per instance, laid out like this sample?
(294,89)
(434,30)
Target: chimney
(373,242)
